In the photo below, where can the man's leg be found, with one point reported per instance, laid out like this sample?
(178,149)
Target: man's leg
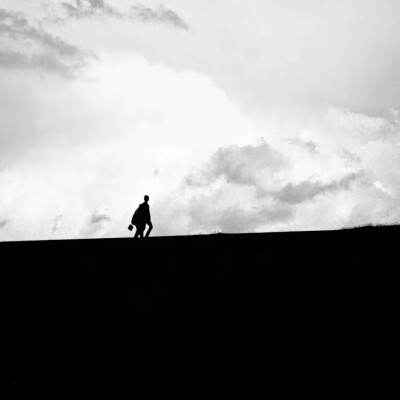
(150,228)
(139,231)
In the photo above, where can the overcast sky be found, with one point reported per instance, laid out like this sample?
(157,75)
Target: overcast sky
(232,115)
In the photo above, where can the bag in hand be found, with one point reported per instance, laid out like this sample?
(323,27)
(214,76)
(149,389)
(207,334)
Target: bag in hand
(130,227)
(135,217)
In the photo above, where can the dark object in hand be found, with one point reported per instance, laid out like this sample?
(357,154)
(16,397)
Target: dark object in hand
(130,227)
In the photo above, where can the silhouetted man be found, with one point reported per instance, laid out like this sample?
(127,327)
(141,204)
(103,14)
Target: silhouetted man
(142,217)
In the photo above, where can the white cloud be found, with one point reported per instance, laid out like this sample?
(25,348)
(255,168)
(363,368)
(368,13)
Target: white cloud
(99,9)
(328,189)
(287,55)
(261,116)
(26,46)
(161,15)
(136,128)
(96,144)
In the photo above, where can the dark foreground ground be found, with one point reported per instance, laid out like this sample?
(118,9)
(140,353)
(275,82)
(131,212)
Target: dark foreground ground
(257,316)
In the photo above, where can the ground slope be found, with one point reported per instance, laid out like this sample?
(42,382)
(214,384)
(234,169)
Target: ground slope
(301,314)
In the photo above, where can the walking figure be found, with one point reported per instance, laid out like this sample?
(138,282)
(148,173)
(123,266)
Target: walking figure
(141,217)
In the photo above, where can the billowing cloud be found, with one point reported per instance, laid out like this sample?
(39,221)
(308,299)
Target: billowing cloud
(78,151)
(161,15)
(240,165)
(240,188)
(234,209)
(307,190)
(290,185)
(285,56)
(278,125)
(97,218)
(139,12)
(3,223)
(96,225)
(95,3)
(307,144)
(90,8)
(25,46)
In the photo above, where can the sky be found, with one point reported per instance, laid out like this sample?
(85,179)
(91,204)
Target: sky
(233,116)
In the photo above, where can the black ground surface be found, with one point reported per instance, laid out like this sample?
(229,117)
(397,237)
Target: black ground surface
(255,316)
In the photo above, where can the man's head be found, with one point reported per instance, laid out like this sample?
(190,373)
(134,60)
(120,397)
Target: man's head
(146,198)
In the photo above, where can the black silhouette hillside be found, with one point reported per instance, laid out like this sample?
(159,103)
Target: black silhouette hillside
(252,316)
